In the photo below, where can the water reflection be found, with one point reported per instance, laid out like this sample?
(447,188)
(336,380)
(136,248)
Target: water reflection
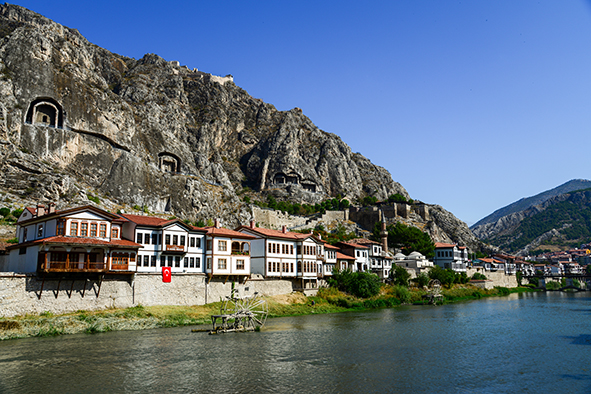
(524,342)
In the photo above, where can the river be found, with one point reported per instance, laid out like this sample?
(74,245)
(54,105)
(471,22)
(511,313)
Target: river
(533,342)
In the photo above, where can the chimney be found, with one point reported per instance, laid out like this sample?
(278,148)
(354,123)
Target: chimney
(384,235)
(40,210)
(52,207)
(252,224)
(217,223)
(284,229)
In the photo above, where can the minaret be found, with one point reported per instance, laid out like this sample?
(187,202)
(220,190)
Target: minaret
(384,234)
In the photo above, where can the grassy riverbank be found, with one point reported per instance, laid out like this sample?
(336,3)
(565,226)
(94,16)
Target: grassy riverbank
(141,318)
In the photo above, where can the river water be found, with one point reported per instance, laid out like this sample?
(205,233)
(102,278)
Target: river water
(535,342)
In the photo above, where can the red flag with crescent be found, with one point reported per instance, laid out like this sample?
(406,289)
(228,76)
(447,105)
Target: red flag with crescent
(166,274)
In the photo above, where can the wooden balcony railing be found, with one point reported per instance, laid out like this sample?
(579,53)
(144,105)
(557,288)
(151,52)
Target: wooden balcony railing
(68,266)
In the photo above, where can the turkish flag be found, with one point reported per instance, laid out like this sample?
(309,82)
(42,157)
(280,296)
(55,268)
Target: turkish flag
(166,274)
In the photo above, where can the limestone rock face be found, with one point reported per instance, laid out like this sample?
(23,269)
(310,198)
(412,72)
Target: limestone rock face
(76,119)
(445,227)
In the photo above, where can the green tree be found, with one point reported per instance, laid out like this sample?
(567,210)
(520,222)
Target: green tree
(447,277)
(17,212)
(478,276)
(421,280)
(400,276)
(4,211)
(407,238)
(397,198)
(360,284)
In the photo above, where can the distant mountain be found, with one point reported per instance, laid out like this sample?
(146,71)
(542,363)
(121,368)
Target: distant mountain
(525,203)
(560,222)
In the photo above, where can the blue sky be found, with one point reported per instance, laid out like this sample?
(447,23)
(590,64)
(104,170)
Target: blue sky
(469,104)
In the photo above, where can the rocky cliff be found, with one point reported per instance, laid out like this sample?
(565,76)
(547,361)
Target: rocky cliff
(80,122)
(149,132)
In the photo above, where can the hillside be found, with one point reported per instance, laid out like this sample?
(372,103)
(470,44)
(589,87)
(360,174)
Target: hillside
(560,222)
(525,203)
(79,123)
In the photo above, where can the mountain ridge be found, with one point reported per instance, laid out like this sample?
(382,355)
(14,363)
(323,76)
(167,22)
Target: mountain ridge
(527,202)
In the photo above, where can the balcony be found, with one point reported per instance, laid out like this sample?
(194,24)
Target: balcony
(239,253)
(68,266)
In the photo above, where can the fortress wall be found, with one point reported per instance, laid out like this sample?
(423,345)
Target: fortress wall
(275,219)
(19,293)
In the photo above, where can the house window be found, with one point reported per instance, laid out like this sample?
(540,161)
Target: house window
(186,262)
(159,239)
(170,261)
(239,264)
(61,227)
(114,233)
(140,238)
(162,261)
(290,249)
(192,262)
(192,242)
(291,267)
(175,239)
(40,231)
(197,262)
(299,249)
(103,230)
(83,229)
(221,264)
(198,242)
(222,246)
(177,261)
(147,239)
(146,260)
(154,239)
(167,239)
(152,261)
(269,248)
(208,244)
(182,240)
(74,229)
(93,227)
(24,250)
(208,263)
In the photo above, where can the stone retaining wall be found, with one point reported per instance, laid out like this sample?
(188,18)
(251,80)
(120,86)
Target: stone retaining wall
(19,294)
(497,278)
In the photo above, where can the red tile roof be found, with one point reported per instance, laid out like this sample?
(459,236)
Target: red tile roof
(363,241)
(146,220)
(64,212)
(224,232)
(353,245)
(329,246)
(277,233)
(342,256)
(443,245)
